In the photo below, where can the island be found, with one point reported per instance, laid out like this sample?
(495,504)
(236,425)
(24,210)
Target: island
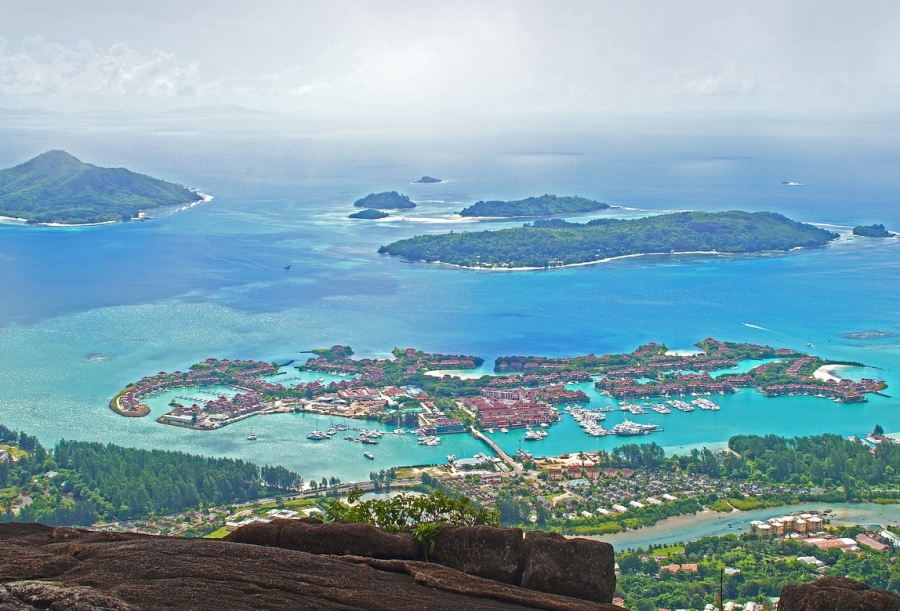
(545,205)
(557,243)
(57,188)
(428,179)
(388,200)
(370,214)
(871,231)
(424,390)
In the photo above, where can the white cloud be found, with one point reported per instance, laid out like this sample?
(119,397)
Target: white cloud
(42,68)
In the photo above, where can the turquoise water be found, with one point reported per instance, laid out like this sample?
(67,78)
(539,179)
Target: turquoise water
(85,311)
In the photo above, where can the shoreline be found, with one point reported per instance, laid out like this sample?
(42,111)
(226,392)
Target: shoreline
(11,220)
(827,373)
(598,261)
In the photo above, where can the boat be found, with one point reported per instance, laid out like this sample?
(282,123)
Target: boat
(288,266)
(368,441)
(318,435)
(369,455)
(251,436)
(451,457)
(532,436)
(544,425)
(504,430)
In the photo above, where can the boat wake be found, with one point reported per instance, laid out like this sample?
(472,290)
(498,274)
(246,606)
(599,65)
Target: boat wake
(747,324)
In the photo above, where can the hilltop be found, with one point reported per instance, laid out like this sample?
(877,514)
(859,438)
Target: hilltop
(554,243)
(56,187)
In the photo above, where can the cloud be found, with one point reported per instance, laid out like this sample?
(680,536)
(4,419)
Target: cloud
(41,68)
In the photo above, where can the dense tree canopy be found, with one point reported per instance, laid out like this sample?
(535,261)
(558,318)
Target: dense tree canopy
(556,242)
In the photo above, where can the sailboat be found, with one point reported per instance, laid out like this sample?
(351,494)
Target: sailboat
(251,436)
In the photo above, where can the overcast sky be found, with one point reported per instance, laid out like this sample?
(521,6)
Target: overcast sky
(433,59)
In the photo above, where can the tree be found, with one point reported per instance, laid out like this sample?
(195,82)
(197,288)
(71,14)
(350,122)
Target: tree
(878,430)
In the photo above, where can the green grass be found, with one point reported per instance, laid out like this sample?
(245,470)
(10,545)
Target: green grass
(670,550)
(722,506)
(219,533)
(746,503)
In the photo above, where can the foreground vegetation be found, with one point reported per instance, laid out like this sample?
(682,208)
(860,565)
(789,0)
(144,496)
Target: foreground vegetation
(55,187)
(764,567)
(557,242)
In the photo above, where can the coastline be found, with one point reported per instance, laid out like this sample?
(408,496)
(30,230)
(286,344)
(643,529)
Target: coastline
(606,260)
(828,373)
(11,220)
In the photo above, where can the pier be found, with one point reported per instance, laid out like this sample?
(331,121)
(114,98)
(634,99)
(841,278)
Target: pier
(516,467)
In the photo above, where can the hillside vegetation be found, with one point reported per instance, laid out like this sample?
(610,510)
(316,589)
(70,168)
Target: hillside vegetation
(557,242)
(55,187)
(545,205)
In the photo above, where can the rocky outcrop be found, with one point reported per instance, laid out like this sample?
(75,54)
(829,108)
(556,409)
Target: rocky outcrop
(492,553)
(69,569)
(581,568)
(315,537)
(836,594)
(545,562)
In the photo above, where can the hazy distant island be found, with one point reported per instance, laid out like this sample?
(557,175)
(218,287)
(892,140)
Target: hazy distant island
(369,214)
(545,205)
(871,231)
(872,334)
(57,188)
(388,200)
(554,243)
(428,179)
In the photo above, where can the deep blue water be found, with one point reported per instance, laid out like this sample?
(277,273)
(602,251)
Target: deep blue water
(209,281)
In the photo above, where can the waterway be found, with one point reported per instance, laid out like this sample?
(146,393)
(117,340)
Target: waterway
(682,529)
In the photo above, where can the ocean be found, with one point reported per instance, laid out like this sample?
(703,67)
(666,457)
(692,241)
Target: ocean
(84,311)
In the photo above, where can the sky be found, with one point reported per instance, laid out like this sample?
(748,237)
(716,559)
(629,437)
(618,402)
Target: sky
(430,60)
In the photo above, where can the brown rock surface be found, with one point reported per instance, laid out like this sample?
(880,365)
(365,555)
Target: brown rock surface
(123,571)
(332,538)
(580,568)
(492,553)
(836,594)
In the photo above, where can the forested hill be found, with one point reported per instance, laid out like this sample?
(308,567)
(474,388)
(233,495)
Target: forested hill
(55,187)
(557,242)
(545,205)
(81,482)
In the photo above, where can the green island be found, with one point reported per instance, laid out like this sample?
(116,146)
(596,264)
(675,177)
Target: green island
(526,395)
(369,214)
(55,187)
(428,180)
(871,231)
(545,205)
(387,200)
(555,243)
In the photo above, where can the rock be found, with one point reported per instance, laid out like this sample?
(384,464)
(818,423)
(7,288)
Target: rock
(49,595)
(484,551)
(836,594)
(580,568)
(146,573)
(332,538)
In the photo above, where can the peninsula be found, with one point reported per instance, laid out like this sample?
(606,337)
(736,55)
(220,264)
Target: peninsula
(57,188)
(545,205)
(414,387)
(556,243)
(387,200)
